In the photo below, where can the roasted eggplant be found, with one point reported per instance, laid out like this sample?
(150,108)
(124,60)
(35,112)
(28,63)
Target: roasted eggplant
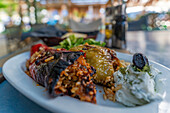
(63,72)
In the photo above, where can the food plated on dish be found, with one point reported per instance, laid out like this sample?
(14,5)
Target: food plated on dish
(104,60)
(76,72)
(138,81)
(62,72)
(14,72)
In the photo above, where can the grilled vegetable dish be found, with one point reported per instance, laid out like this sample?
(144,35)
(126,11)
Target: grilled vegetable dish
(62,72)
(72,72)
(104,60)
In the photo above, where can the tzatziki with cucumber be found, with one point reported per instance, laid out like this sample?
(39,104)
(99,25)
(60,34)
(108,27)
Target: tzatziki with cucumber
(138,80)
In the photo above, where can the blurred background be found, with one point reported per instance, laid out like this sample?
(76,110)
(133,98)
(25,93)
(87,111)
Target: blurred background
(134,25)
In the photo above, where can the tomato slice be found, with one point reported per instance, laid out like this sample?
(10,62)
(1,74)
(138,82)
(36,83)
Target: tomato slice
(36,47)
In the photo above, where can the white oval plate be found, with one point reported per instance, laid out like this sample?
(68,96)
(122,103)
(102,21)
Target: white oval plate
(13,72)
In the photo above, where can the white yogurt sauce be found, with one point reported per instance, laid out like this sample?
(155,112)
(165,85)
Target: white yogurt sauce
(138,88)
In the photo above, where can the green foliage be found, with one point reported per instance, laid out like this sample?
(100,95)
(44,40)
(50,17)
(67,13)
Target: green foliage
(8,6)
(2,5)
